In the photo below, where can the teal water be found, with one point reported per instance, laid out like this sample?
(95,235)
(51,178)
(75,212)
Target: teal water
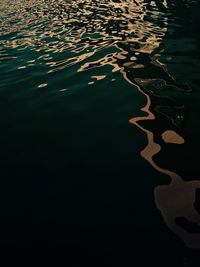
(100,130)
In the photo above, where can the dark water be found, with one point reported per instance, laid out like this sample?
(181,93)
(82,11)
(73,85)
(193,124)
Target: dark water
(100,130)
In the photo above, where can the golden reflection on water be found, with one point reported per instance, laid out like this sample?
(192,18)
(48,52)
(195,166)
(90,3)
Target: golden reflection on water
(83,27)
(92,35)
(177,198)
(170,136)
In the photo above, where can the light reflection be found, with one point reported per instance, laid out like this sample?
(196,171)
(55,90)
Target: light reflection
(89,35)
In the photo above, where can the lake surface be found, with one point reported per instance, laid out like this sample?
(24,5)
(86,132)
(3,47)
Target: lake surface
(100,130)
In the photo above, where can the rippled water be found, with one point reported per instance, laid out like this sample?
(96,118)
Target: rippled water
(92,84)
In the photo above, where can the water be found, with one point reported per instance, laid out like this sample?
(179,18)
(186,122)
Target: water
(100,129)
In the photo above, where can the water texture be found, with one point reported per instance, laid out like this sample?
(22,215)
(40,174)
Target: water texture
(66,56)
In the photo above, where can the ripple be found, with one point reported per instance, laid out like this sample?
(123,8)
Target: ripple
(77,31)
(132,38)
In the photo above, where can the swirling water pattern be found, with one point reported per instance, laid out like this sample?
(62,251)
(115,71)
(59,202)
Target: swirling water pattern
(89,40)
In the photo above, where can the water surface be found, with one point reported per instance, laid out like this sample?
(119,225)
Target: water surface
(100,127)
